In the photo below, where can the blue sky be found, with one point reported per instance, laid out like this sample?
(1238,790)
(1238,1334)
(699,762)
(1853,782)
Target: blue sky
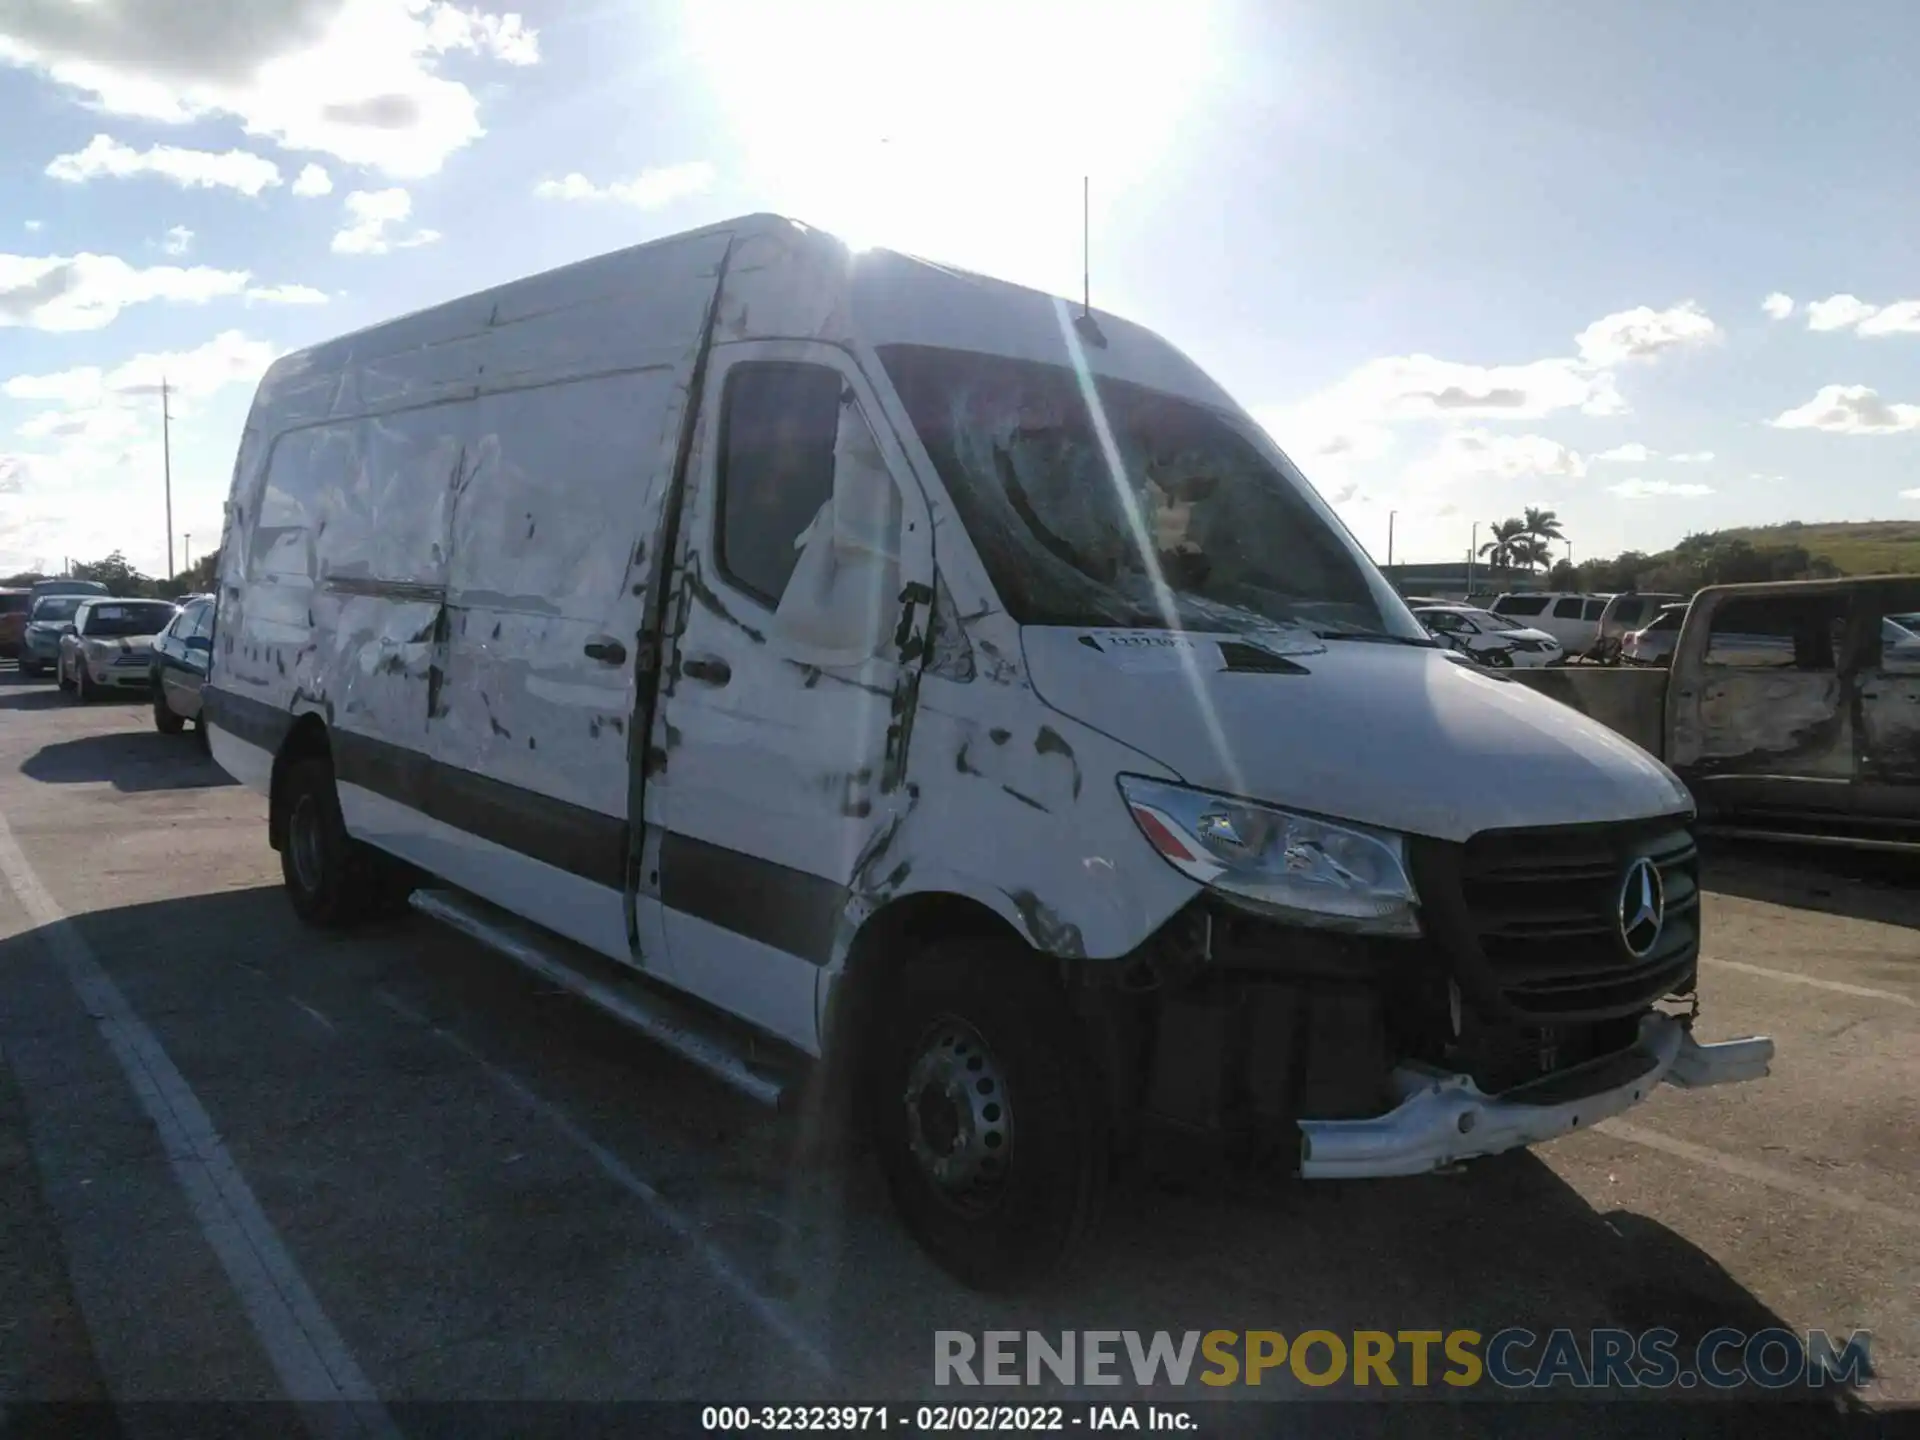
(1521,255)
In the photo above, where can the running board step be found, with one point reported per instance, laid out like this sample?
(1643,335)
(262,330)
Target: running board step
(729,1054)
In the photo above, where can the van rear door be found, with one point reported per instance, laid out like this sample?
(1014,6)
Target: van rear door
(799,613)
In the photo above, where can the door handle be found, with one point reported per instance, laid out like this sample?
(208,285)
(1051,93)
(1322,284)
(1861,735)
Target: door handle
(607,652)
(707,668)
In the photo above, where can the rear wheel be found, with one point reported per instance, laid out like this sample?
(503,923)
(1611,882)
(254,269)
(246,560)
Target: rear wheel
(333,880)
(986,1115)
(164,720)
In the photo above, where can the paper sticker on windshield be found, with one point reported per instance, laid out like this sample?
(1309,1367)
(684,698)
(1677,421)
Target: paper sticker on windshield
(111,612)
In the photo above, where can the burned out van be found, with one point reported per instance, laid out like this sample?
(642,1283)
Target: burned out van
(955,693)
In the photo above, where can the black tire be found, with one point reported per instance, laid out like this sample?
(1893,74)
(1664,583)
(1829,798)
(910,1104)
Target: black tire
(993,1024)
(1499,659)
(333,880)
(164,718)
(30,669)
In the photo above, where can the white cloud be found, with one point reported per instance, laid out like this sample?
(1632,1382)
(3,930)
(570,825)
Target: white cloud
(1910,494)
(355,79)
(286,295)
(1777,306)
(1411,387)
(1900,318)
(86,292)
(1469,455)
(649,190)
(1692,457)
(1838,312)
(1647,489)
(179,240)
(1643,332)
(369,214)
(313,180)
(34,224)
(229,358)
(107,158)
(1632,453)
(1850,410)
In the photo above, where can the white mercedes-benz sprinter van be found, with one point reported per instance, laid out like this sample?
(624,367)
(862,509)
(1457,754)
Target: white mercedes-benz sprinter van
(897,689)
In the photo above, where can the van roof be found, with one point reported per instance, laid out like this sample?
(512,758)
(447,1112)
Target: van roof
(820,288)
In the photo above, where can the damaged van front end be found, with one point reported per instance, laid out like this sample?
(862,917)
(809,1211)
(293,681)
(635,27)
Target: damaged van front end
(1423,914)
(1440,1001)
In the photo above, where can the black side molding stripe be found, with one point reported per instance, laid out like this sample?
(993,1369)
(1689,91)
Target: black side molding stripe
(762,900)
(568,837)
(788,909)
(245,718)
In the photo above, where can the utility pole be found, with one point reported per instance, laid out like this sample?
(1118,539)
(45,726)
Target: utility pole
(1390,515)
(166,462)
(1473,547)
(188,557)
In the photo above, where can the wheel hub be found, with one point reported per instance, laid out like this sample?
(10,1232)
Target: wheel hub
(303,839)
(959,1115)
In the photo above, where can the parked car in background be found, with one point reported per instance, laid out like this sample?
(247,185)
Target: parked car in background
(1788,709)
(50,618)
(110,645)
(14,605)
(42,588)
(1623,615)
(1652,643)
(1907,622)
(180,656)
(1491,639)
(1572,619)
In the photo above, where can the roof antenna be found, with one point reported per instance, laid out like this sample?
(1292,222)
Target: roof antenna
(1089,329)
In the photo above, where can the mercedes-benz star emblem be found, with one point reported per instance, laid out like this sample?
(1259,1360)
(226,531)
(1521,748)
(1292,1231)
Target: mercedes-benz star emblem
(1643,908)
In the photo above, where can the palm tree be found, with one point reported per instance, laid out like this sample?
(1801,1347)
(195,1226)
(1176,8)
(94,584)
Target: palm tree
(1532,552)
(1540,527)
(1503,549)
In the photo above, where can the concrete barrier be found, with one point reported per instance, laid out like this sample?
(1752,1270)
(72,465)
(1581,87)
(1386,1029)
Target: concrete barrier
(1631,702)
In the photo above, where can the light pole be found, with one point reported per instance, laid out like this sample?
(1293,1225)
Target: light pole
(1390,515)
(189,555)
(1473,549)
(166,461)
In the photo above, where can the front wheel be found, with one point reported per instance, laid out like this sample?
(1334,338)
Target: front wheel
(60,677)
(1499,659)
(84,690)
(987,1117)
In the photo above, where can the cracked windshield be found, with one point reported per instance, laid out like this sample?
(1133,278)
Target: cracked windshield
(723,717)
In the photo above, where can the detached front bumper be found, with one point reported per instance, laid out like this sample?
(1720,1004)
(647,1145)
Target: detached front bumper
(1445,1118)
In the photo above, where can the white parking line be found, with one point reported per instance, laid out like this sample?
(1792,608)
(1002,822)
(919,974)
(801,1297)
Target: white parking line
(1839,987)
(315,1368)
(770,1312)
(1760,1174)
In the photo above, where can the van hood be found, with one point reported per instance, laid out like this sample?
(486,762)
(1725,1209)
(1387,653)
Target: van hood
(1397,736)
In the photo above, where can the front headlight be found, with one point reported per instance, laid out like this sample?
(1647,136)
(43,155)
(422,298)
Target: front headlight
(1317,872)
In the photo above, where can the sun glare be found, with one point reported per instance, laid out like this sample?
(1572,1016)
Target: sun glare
(960,132)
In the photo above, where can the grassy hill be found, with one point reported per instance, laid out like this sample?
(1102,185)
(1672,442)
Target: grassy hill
(1867,547)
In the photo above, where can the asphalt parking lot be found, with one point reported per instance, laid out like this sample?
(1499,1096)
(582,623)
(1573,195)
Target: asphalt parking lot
(456,1183)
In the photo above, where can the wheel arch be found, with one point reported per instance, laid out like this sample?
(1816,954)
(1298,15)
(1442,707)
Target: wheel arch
(308,738)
